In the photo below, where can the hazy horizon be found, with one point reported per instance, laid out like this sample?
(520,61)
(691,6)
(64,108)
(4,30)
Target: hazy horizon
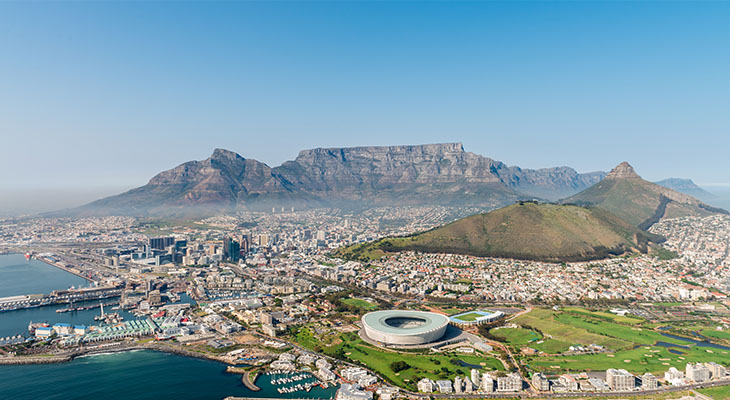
(106,95)
(43,200)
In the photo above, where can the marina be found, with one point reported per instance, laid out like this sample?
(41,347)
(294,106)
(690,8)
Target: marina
(155,375)
(287,383)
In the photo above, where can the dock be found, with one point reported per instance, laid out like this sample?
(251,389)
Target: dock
(58,297)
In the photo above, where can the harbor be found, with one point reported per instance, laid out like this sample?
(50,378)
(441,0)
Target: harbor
(156,375)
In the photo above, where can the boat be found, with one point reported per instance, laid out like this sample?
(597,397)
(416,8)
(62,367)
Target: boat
(28,256)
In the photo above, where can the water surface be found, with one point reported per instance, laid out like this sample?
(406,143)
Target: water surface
(19,276)
(139,375)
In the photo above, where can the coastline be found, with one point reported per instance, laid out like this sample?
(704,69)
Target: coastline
(63,268)
(63,358)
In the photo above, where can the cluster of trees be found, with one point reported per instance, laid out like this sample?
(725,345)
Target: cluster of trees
(485,328)
(398,366)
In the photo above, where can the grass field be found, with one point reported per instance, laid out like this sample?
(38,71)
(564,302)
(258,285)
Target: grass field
(472,316)
(516,336)
(630,320)
(364,304)
(654,359)
(722,392)
(434,366)
(629,335)
(549,323)
(635,347)
(714,333)
(550,346)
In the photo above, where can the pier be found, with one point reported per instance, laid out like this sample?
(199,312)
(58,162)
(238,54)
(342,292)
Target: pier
(58,297)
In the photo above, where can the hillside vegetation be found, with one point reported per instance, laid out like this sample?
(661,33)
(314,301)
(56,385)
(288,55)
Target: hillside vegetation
(532,231)
(637,201)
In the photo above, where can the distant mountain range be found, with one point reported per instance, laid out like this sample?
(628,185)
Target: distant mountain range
(343,177)
(430,174)
(687,186)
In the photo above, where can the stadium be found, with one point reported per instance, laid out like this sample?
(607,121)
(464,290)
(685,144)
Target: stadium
(404,327)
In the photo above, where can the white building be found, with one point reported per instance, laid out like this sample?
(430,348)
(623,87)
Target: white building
(475,377)
(649,382)
(697,372)
(426,385)
(569,381)
(444,386)
(458,385)
(620,380)
(717,371)
(487,383)
(509,383)
(540,382)
(352,392)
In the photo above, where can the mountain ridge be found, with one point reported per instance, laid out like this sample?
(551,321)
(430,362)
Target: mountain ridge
(526,231)
(440,173)
(642,203)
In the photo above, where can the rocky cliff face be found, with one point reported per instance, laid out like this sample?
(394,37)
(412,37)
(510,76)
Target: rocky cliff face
(423,174)
(385,168)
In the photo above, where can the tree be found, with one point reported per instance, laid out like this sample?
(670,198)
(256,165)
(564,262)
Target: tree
(398,366)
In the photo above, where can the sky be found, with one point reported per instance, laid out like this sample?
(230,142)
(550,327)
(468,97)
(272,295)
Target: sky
(98,97)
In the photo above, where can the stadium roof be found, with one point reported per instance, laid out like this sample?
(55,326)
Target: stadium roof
(430,321)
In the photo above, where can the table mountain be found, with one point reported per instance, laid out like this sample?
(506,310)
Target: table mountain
(390,175)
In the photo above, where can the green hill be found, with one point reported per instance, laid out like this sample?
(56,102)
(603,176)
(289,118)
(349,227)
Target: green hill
(639,202)
(530,231)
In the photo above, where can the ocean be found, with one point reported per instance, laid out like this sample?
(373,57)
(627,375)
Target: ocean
(139,375)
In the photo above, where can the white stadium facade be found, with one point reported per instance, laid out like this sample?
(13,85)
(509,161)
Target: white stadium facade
(404,327)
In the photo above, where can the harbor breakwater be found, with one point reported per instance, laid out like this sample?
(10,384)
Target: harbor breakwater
(69,356)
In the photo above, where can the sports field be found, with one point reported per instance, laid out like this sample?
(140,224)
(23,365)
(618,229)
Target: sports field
(472,316)
(516,336)
(361,303)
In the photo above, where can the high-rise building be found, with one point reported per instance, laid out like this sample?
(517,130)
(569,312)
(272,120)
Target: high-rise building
(426,385)
(161,243)
(264,240)
(716,370)
(475,377)
(673,374)
(231,249)
(620,380)
(487,383)
(569,382)
(458,385)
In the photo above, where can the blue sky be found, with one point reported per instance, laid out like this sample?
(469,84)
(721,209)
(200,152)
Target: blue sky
(96,97)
